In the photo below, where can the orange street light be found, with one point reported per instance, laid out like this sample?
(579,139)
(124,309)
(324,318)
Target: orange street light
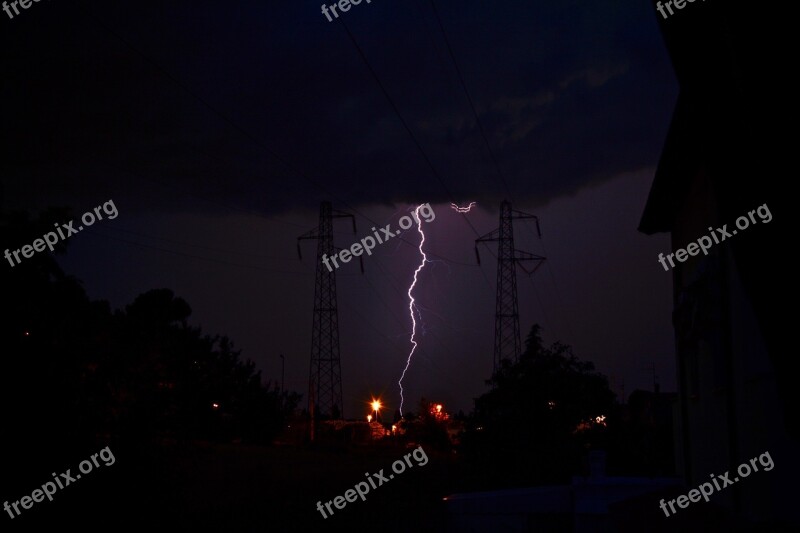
(376,406)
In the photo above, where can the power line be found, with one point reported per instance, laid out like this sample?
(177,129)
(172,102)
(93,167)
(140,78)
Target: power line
(182,254)
(199,246)
(469,99)
(489,149)
(257,142)
(402,120)
(408,129)
(559,299)
(277,157)
(397,111)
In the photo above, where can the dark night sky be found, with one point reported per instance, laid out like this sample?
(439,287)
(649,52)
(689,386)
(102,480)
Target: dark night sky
(217,128)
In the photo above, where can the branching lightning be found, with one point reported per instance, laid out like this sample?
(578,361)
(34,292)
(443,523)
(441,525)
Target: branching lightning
(463,209)
(412,306)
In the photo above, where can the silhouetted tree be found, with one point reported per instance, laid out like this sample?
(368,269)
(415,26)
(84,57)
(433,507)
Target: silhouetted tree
(50,330)
(173,380)
(528,423)
(73,369)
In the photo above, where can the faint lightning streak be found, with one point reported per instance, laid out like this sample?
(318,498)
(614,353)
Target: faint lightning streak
(412,305)
(463,209)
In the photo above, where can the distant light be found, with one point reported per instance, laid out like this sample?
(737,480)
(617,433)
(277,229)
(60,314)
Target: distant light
(438,408)
(369,418)
(551,404)
(215,406)
(376,405)
(27,333)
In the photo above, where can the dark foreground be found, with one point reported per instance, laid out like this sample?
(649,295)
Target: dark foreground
(244,488)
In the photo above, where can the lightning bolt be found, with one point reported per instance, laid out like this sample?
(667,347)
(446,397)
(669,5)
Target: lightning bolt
(463,209)
(412,304)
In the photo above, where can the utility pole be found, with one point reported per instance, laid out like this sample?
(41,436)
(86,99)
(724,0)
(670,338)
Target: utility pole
(283,371)
(656,386)
(507,343)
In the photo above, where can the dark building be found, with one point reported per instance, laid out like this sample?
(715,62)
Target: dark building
(721,166)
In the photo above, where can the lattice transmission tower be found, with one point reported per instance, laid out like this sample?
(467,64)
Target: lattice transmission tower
(507,343)
(325,373)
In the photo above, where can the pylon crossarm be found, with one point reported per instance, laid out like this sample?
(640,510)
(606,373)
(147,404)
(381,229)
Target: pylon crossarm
(535,268)
(491,236)
(520,255)
(522,215)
